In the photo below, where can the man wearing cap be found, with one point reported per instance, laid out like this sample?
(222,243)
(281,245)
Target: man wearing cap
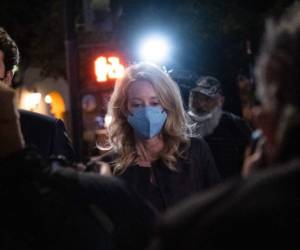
(226,133)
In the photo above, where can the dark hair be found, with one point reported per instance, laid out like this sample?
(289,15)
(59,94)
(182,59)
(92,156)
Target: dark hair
(278,78)
(9,49)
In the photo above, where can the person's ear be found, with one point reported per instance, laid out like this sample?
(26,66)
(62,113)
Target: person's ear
(8,77)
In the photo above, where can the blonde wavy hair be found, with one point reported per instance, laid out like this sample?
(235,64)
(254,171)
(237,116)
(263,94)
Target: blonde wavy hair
(175,132)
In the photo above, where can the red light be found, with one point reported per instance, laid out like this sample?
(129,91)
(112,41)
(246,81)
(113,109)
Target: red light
(108,68)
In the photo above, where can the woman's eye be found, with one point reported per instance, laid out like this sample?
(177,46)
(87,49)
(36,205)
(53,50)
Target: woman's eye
(135,105)
(154,104)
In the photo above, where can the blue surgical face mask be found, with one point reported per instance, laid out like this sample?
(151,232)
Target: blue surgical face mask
(147,122)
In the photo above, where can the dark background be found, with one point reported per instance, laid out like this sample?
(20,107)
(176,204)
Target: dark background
(210,37)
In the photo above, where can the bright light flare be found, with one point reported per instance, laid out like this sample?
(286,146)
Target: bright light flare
(32,100)
(48,99)
(107,120)
(155,49)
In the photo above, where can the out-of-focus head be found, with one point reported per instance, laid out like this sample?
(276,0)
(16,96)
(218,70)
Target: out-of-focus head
(146,84)
(277,67)
(9,57)
(278,78)
(206,96)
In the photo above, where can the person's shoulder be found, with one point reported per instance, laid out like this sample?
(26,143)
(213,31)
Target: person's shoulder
(196,142)
(239,123)
(267,188)
(230,116)
(196,148)
(262,204)
(196,207)
(279,177)
(36,117)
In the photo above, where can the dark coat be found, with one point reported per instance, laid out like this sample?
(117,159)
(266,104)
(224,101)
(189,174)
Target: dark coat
(196,172)
(228,143)
(49,207)
(260,212)
(47,134)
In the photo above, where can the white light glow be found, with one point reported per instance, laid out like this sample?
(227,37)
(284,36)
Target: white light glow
(32,100)
(48,99)
(155,49)
(107,120)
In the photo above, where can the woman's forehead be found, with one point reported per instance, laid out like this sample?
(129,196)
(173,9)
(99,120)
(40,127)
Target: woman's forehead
(141,88)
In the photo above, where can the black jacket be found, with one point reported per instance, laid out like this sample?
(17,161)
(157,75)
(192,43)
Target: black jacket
(163,187)
(47,134)
(228,143)
(49,207)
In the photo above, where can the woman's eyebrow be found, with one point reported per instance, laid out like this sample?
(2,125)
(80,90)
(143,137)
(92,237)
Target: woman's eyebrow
(134,98)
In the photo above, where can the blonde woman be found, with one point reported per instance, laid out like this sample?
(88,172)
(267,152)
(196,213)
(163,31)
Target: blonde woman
(149,134)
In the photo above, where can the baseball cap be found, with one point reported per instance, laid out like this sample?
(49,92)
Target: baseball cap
(209,86)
